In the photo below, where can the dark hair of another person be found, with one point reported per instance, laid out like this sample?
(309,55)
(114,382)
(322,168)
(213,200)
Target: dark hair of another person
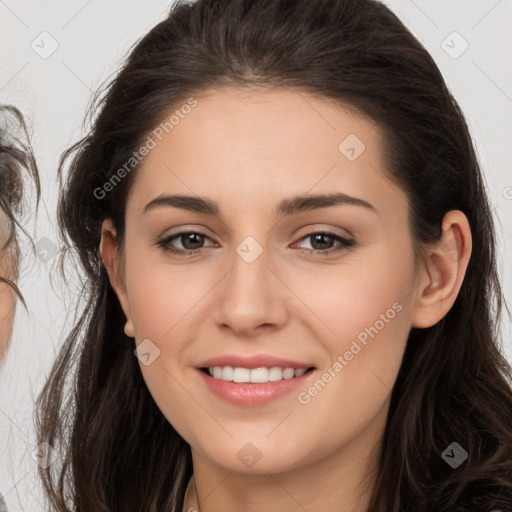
(17,164)
(116,450)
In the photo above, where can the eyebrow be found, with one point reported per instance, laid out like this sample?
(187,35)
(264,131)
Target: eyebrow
(286,207)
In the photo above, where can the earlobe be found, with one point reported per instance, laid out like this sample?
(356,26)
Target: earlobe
(110,257)
(444,273)
(128,329)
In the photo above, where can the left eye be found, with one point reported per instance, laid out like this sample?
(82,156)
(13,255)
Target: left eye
(192,242)
(319,239)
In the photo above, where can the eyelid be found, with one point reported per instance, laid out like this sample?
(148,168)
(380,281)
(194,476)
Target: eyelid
(329,230)
(187,228)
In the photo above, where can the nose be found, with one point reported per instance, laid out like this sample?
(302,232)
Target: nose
(251,297)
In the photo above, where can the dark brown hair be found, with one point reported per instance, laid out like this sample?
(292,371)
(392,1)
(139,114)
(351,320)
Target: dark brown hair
(17,164)
(117,451)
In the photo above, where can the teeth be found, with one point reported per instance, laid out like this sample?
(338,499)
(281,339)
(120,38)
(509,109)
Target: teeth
(259,375)
(240,375)
(227,373)
(256,375)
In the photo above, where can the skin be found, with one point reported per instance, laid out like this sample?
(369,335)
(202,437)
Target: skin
(7,294)
(7,303)
(248,150)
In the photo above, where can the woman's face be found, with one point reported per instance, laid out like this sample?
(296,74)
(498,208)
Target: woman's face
(257,284)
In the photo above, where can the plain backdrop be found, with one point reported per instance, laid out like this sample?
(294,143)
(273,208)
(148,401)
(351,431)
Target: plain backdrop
(53,54)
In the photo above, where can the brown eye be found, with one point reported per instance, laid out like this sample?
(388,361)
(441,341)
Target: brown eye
(323,243)
(190,241)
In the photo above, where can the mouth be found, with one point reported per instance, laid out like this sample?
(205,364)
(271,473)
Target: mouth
(254,387)
(255,379)
(261,375)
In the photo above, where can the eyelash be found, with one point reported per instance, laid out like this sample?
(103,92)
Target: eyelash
(344,243)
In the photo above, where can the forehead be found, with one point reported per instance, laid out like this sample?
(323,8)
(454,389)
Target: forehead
(240,143)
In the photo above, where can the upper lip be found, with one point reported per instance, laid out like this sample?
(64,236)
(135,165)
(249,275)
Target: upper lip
(256,361)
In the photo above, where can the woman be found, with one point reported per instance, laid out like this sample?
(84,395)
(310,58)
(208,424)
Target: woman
(357,372)
(16,162)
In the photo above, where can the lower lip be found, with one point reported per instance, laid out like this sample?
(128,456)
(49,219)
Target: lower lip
(250,394)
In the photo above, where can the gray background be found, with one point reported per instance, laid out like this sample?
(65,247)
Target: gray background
(53,90)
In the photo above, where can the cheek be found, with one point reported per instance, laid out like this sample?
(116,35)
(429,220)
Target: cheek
(162,295)
(365,321)
(7,307)
(166,308)
(364,290)
(160,315)
(362,320)
(7,299)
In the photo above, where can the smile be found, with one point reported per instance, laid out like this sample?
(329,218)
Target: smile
(240,390)
(255,375)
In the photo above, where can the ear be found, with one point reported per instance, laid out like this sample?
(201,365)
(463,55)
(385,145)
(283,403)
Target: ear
(445,269)
(110,255)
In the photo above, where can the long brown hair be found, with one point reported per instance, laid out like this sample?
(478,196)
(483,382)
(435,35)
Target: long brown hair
(115,449)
